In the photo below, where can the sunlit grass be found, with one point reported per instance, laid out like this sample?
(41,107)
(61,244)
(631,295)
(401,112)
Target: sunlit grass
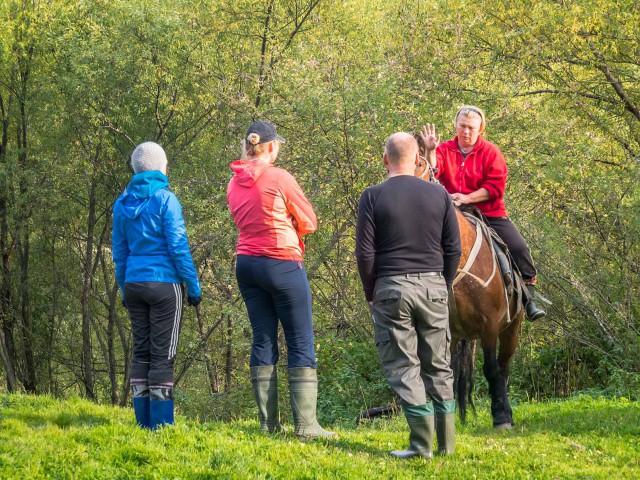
(582,437)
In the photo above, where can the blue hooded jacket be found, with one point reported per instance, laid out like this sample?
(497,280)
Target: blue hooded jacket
(149,236)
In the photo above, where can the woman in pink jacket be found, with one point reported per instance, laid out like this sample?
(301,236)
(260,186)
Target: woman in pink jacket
(273,214)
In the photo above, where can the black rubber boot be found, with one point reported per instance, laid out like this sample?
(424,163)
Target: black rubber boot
(303,393)
(505,268)
(446,433)
(265,388)
(420,438)
(533,312)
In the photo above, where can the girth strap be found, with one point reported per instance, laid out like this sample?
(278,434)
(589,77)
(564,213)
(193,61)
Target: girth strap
(477,245)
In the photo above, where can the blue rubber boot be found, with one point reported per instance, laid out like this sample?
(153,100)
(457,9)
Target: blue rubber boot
(140,394)
(161,413)
(141,409)
(161,407)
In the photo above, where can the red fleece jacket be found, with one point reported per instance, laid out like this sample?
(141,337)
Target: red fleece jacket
(270,210)
(484,167)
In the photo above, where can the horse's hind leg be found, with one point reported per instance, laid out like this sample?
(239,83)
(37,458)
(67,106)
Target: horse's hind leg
(500,408)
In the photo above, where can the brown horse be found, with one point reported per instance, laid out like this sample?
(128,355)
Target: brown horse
(481,307)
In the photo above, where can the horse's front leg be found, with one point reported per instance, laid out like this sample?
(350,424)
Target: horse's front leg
(500,408)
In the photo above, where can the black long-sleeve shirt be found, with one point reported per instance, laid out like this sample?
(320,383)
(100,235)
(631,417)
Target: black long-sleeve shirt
(406,225)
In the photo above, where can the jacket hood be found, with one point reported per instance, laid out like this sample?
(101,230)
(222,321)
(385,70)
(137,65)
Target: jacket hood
(246,172)
(141,188)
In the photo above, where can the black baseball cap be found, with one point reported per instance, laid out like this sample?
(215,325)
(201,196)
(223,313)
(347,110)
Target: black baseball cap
(265,130)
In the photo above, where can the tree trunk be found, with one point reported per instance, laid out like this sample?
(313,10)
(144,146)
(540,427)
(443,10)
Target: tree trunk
(229,365)
(24,242)
(87,353)
(6,363)
(113,374)
(51,340)
(7,348)
(263,55)
(125,340)
(112,297)
(211,372)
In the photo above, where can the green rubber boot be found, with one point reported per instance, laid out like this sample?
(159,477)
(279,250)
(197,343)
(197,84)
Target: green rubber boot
(265,388)
(303,393)
(446,433)
(420,437)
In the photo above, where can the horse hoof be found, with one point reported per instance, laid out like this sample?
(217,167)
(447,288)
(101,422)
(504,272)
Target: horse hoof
(503,426)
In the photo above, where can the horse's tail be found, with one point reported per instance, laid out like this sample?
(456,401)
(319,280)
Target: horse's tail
(464,374)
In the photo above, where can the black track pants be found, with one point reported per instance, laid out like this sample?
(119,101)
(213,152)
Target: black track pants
(155,310)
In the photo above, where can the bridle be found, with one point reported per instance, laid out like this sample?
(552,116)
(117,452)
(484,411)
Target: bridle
(427,172)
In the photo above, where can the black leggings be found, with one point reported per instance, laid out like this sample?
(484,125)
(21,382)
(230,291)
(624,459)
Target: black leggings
(517,246)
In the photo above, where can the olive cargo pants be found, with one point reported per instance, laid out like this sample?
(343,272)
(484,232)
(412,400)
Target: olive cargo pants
(411,322)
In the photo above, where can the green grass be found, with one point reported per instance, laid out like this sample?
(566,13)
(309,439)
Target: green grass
(583,437)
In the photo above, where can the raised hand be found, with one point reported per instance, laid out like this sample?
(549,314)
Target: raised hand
(429,137)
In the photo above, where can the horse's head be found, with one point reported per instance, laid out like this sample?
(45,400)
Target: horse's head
(423,169)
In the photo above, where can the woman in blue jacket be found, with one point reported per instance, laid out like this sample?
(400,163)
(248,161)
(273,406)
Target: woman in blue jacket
(152,259)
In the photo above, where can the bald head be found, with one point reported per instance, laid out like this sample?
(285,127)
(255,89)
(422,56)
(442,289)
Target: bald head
(401,148)
(401,153)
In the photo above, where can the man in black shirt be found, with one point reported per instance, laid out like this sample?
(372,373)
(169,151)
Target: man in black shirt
(408,250)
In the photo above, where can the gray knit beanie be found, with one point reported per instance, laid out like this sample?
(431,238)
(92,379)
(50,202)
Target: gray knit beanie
(148,156)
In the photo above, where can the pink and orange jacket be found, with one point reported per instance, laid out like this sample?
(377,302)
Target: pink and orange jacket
(270,210)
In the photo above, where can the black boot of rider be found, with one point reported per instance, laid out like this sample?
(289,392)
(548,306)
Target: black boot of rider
(532,310)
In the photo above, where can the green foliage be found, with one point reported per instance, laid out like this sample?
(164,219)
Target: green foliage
(584,436)
(351,379)
(85,81)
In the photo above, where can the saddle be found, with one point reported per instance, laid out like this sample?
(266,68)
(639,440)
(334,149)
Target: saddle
(511,278)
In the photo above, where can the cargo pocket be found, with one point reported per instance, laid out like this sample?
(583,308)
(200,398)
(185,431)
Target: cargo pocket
(438,303)
(438,295)
(381,335)
(385,309)
(386,304)
(382,339)
(447,351)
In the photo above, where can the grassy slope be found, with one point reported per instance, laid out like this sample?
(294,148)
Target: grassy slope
(583,437)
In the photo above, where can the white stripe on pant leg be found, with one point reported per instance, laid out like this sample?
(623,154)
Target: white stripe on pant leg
(173,329)
(176,322)
(178,317)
